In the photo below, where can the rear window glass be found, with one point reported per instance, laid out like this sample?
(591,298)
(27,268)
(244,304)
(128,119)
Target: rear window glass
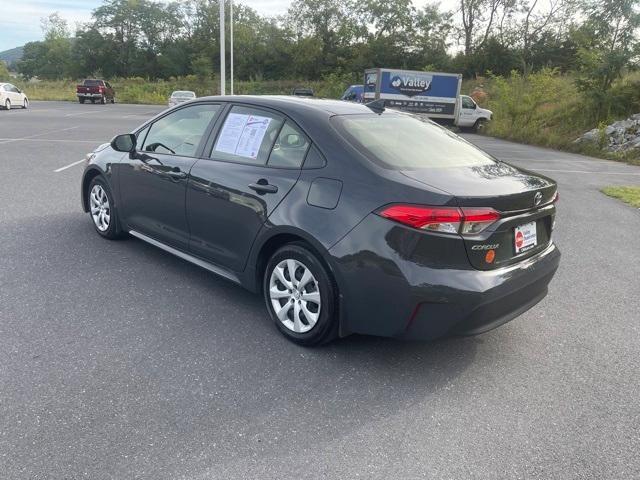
(404,142)
(93,83)
(183,94)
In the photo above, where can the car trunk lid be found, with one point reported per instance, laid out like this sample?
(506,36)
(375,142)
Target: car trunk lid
(524,200)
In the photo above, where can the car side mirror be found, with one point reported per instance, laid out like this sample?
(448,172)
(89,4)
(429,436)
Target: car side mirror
(124,143)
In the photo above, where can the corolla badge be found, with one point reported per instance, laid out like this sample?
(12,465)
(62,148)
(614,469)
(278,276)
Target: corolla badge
(411,84)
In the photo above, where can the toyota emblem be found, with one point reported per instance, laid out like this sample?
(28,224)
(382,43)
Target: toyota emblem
(537,198)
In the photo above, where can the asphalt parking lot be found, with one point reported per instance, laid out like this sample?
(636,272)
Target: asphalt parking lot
(119,361)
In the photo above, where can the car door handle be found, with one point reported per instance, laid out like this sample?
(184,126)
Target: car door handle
(176,173)
(262,187)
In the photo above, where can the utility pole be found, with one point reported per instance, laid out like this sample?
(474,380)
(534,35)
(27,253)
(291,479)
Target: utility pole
(222,50)
(231,40)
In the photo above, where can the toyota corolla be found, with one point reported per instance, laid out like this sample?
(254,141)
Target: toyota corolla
(346,218)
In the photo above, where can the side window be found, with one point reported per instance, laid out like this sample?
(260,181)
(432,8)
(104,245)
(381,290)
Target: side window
(290,148)
(107,84)
(247,136)
(314,159)
(180,132)
(141,135)
(468,103)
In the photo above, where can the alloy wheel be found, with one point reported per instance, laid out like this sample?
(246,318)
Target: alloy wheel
(100,209)
(294,295)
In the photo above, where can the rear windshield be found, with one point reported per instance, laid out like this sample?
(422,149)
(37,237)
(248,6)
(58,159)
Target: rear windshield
(404,142)
(183,94)
(93,83)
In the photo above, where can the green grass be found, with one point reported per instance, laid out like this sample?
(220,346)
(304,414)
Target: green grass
(546,109)
(140,90)
(630,195)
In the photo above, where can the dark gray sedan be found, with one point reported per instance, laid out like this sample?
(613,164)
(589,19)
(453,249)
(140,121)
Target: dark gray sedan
(347,218)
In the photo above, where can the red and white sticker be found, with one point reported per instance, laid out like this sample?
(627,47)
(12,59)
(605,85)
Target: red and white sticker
(525,237)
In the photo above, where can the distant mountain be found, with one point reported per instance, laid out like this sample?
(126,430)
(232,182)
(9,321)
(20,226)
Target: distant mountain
(10,57)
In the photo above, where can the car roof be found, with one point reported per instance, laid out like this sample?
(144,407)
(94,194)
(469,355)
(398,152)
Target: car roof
(297,104)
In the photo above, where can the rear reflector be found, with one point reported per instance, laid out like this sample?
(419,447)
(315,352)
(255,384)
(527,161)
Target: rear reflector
(442,219)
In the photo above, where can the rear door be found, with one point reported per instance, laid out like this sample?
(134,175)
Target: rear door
(153,183)
(255,159)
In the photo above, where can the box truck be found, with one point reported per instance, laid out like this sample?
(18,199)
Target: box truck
(434,94)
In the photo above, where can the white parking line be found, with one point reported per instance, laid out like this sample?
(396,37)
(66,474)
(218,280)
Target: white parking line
(585,171)
(83,113)
(69,166)
(38,135)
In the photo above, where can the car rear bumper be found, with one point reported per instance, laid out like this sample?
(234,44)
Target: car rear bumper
(89,95)
(408,284)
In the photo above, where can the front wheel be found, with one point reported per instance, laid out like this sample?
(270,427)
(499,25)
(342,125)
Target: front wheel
(301,296)
(25,104)
(101,209)
(480,125)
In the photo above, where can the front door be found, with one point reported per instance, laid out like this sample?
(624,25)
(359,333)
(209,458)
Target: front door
(468,112)
(153,183)
(255,161)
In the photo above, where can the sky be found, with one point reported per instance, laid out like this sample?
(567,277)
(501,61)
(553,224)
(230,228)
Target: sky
(20,21)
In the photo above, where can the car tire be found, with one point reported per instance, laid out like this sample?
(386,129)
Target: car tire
(315,303)
(101,209)
(25,103)
(113,100)
(81,100)
(103,100)
(480,125)
(93,100)
(7,104)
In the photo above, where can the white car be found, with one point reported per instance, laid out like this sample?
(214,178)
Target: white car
(12,96)
(180,96)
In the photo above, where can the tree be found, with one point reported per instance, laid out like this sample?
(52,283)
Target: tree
(478,18)
(4,72)
(608,44)
(51,58)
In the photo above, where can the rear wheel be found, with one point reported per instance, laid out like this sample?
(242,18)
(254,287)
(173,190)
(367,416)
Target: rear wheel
(301,296)
(7,104)
(103,100)
(93,100)
(113,100)
(25,103)
(101,210)
(81,100)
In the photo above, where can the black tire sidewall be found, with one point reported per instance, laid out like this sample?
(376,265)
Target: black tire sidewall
(113,231)
(325,328)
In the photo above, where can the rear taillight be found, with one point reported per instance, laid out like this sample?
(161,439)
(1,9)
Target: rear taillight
(476,220)
(465,221)
(556,197)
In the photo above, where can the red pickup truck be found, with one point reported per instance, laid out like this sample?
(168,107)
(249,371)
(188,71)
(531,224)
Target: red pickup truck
(95,91)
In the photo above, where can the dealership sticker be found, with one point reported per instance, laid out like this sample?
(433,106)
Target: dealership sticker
(525,237)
